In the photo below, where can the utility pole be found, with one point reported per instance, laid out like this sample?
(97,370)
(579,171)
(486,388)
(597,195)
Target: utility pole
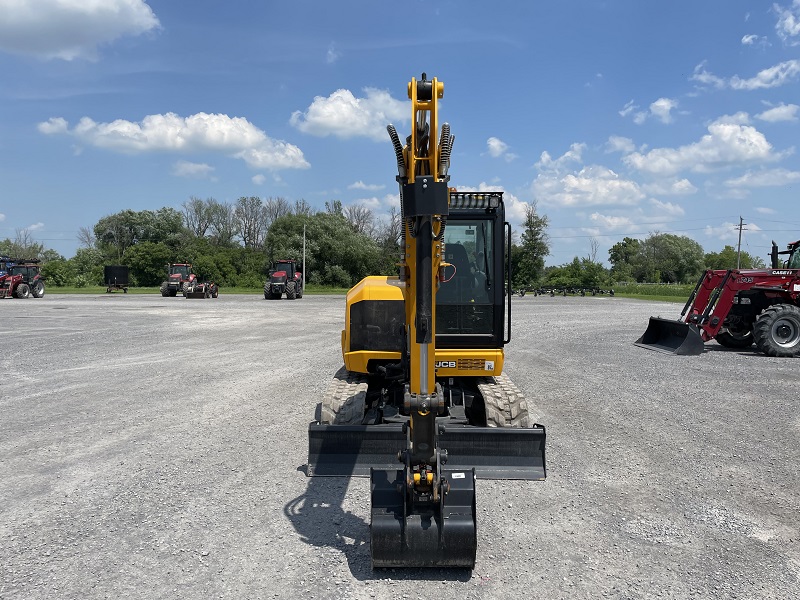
(739,246)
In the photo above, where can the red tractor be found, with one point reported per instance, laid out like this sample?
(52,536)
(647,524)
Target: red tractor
(737,307)
(22,280)
(284,278)
(178,276)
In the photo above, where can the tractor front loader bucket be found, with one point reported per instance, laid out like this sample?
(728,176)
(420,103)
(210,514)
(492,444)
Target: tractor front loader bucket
(671,337)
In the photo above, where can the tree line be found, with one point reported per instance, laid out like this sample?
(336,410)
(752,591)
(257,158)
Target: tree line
(234,244)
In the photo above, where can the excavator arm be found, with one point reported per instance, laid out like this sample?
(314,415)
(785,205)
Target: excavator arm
(423,514)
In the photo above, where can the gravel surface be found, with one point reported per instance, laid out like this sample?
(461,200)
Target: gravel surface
(153,448)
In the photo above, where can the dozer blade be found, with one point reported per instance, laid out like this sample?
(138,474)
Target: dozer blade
(671,337)
(436,536)
(495,453)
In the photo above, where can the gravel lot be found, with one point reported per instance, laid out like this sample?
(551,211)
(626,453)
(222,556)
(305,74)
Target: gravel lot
(153,448)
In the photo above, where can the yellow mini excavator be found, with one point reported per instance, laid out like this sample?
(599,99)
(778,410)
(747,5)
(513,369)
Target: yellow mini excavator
(421,405)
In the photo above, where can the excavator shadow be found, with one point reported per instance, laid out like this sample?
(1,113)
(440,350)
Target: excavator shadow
(319,518)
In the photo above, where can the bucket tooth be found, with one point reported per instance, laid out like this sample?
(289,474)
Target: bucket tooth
(671,337)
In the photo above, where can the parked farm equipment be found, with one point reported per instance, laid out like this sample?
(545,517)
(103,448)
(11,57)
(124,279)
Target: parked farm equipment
(197,289)
(284,278)
(115,278)
(178,275)
(737,307)
(23,279)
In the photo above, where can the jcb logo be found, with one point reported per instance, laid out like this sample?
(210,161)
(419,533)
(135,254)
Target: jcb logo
(445,364)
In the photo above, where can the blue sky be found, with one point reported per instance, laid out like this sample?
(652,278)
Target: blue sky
(618,118)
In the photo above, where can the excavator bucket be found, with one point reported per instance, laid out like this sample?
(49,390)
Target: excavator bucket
(671,337)
(444,536)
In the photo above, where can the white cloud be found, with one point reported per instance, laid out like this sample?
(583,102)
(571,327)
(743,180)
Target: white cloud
(343,115)
(573,155)
(765,178)
(2,217)
(729,142)
(499,149)
(591,186)
(661,109)
(788,25)
(727,231)
(35,227)
(184,168)
(784,112)
(609,223)
(234,136)
(616,143)
(70,29)
(628,109)
(360,185)
(332,55)
(701,75)
(258,179)
(765,211)
(669,208)
(755,40)
(54,125)
(670,187)
(771,77)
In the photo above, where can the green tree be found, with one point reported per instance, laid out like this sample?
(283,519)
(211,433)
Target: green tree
(534,248)
(114,234)
(726,259)
(624,258)
(669,258)
(148,263)
(330,241)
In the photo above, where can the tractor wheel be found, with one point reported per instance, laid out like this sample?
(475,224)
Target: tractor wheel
(164,289)
(291,292)
(735,339)
(215,293)
(300,291)
(777,331)
(38,289)
(345,399)
(22,291)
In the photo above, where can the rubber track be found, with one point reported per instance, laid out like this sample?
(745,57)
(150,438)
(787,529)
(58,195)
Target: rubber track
(345,398)
(505,403)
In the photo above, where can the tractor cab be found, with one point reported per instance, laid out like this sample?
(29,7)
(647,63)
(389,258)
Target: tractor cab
(794,258)
(792,249)
(182,270)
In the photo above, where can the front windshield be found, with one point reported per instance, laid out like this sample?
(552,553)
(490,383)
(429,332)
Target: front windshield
(464,302)
(794,259)
(182,270)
